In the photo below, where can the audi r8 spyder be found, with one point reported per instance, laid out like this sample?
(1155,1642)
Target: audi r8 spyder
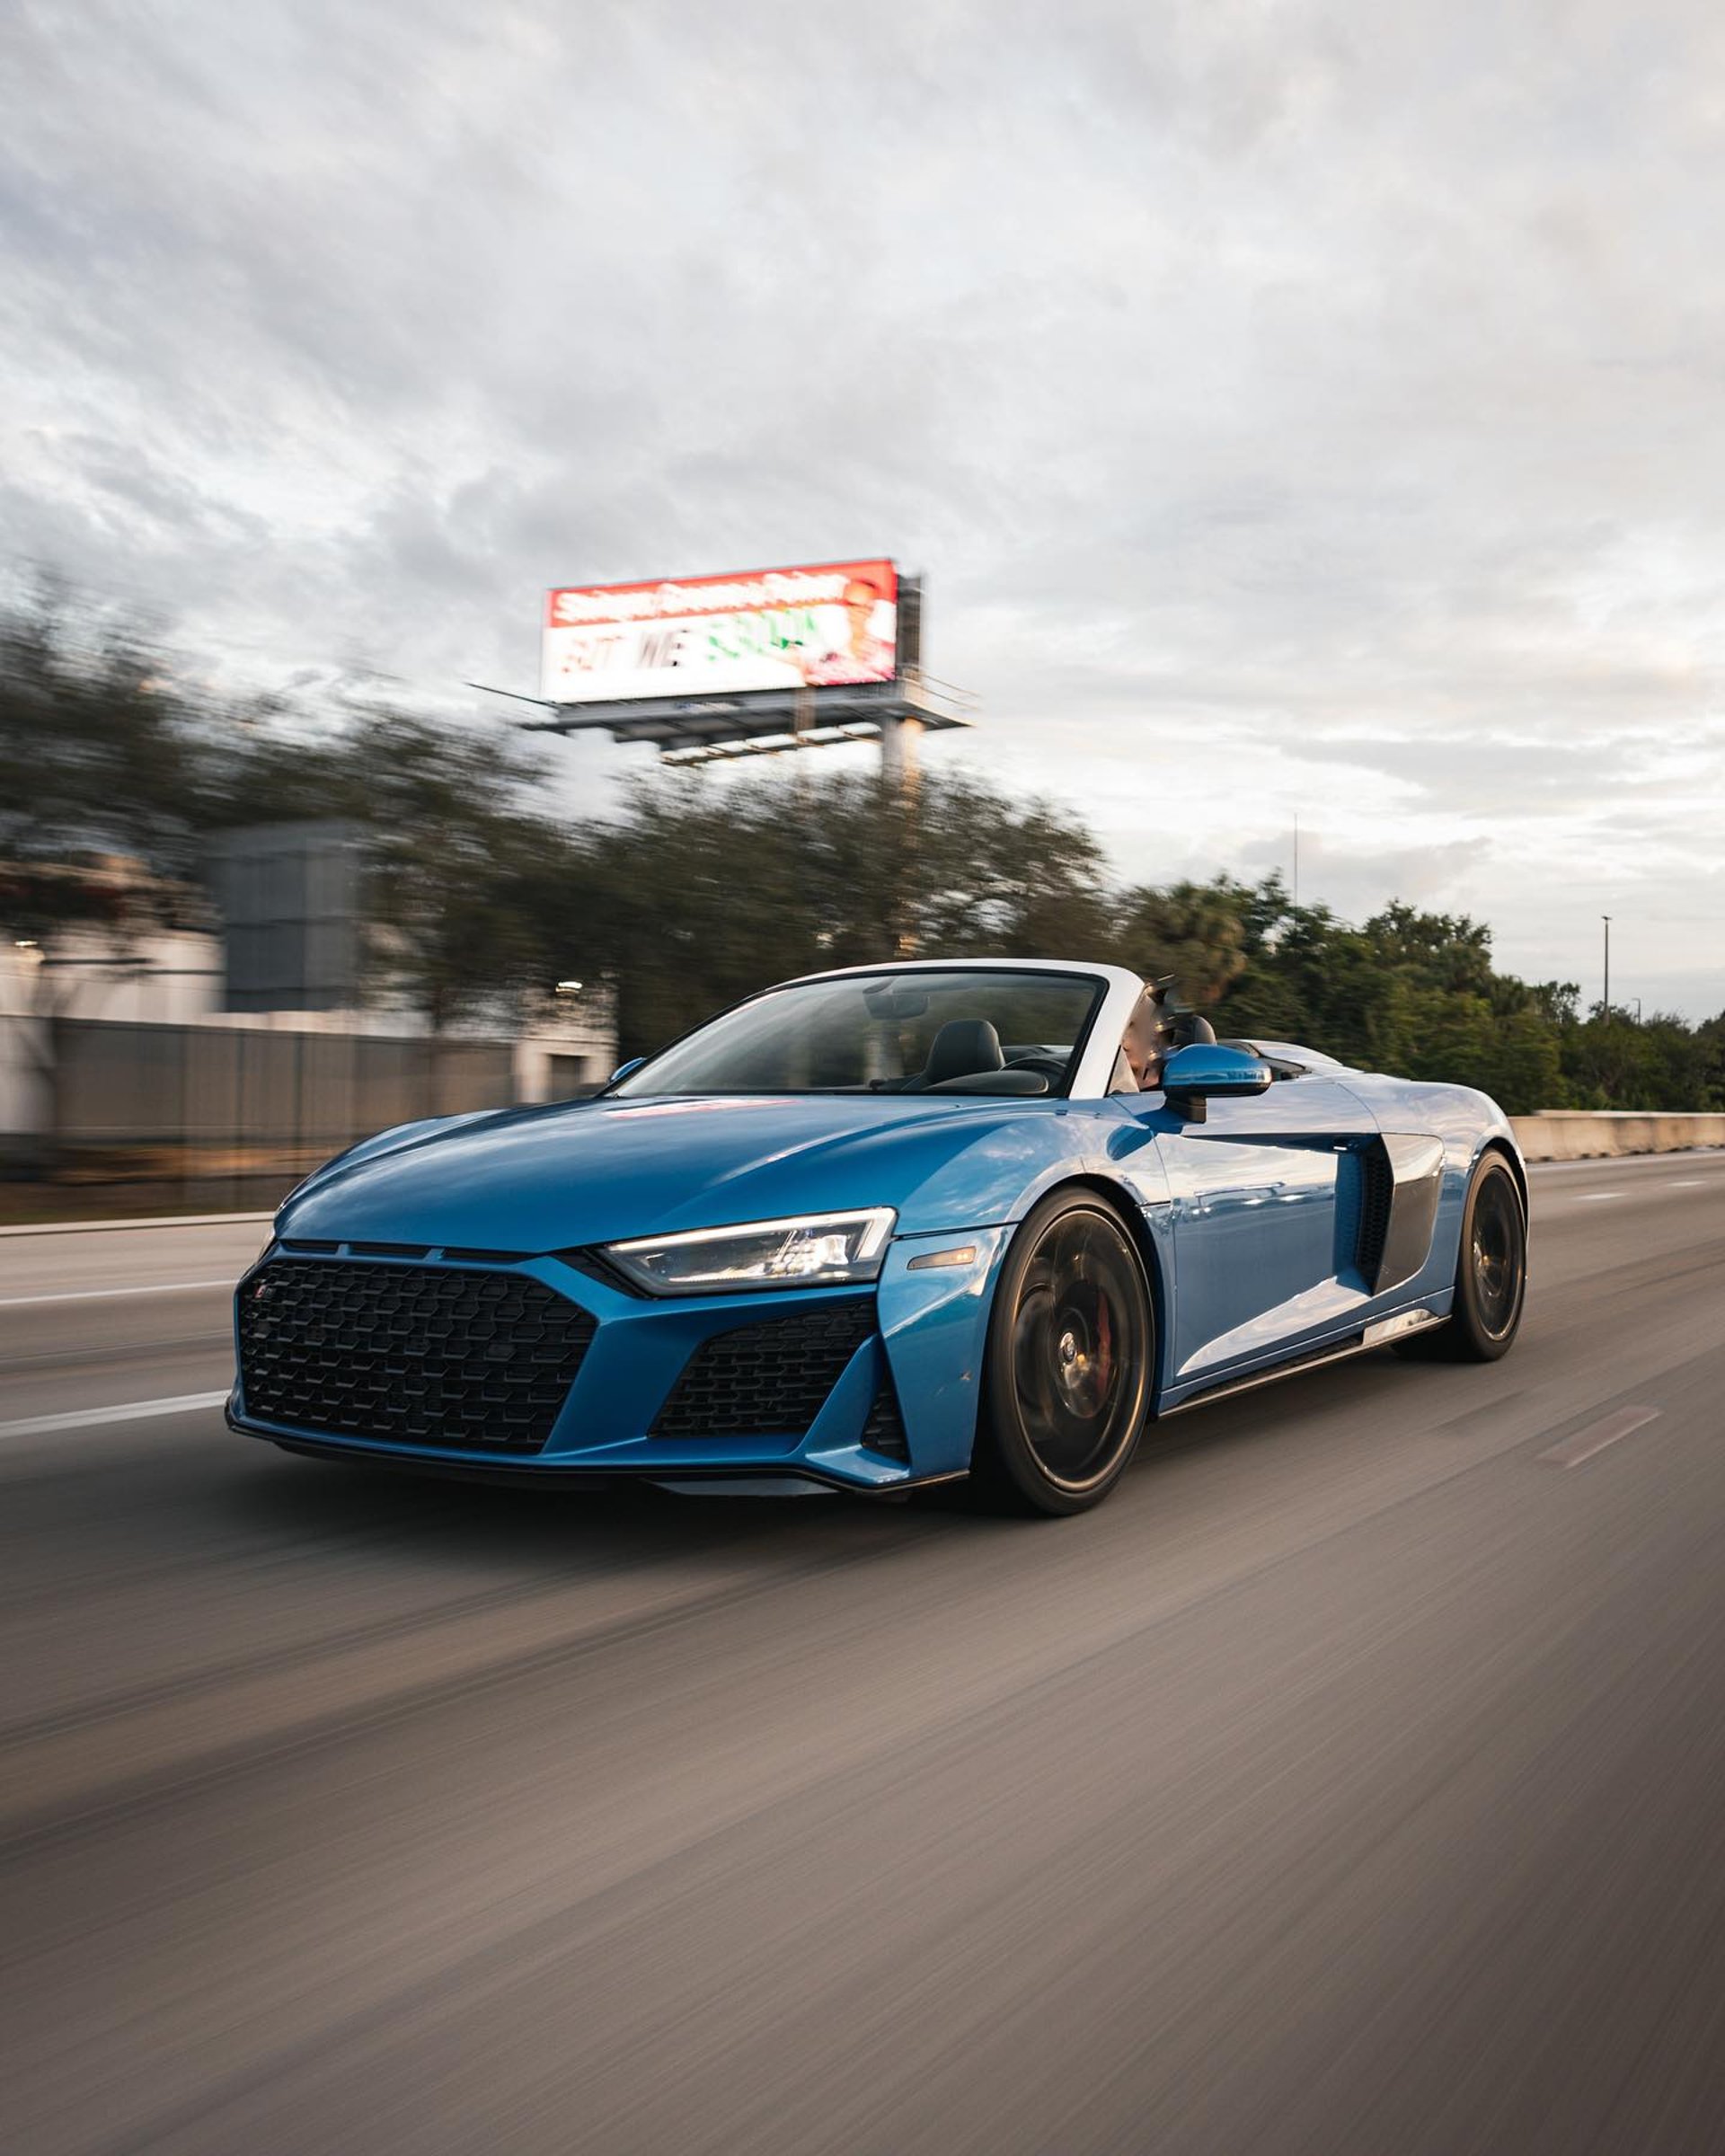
(876,1229)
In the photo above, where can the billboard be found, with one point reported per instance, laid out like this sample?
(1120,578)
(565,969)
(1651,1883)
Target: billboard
(823,626)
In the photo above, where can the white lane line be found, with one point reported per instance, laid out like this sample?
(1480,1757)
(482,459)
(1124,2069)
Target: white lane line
(1687,1182)
(166,1220)
(132,1411)
(1571,1451)
(1594,1197)
(107,1294)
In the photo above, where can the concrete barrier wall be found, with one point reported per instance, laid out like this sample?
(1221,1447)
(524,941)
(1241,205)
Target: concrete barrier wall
(1585,1133)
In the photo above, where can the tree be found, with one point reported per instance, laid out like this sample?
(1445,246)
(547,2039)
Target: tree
(703,892)
(1194,931)
(102,755)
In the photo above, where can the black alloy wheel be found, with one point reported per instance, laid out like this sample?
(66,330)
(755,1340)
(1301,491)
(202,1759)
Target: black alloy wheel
(1069,1357)
(1490,1273)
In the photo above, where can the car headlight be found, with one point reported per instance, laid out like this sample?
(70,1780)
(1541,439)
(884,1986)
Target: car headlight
(814,1250)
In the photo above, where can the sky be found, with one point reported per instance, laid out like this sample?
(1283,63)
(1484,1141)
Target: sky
(1296,410)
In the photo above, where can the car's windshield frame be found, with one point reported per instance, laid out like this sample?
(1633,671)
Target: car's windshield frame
(638,1084)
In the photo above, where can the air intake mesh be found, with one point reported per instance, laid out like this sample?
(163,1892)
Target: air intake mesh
(769,1379)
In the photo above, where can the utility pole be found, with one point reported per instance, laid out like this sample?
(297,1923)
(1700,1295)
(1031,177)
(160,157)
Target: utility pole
(1605,1007)
(1297,860)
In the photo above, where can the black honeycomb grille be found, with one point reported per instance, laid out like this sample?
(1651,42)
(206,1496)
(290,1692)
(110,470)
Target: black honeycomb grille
(1377,1190)
(414,1354)
(769,1379)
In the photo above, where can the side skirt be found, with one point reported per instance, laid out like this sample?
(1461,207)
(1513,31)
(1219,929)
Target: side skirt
(1402,1326)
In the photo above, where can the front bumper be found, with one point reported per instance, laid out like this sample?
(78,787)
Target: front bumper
(921,1351)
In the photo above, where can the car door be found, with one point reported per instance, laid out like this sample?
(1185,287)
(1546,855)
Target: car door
(1265,1192)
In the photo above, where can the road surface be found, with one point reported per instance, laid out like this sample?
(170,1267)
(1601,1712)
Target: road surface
(1353,1782)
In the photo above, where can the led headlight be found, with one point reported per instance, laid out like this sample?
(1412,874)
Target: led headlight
(814,1250)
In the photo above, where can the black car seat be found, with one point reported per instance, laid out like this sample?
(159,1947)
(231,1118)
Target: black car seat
(962,1047)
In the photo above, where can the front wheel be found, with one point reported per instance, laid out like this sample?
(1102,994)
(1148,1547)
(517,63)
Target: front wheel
(1490,1274)
(1066,1380)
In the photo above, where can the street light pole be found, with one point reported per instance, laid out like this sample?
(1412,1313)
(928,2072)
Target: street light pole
(1604,1006)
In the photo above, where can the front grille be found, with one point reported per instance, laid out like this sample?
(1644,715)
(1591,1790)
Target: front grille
(412,1354)
(769,1379)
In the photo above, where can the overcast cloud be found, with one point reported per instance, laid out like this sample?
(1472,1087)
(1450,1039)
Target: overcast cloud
(1294,409)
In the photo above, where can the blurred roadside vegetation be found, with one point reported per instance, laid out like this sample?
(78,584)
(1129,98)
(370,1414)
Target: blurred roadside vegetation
(704,888)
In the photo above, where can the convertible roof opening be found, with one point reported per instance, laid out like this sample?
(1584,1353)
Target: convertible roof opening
(910,1029)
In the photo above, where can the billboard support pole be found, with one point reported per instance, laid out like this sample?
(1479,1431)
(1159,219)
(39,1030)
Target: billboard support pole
(900,737)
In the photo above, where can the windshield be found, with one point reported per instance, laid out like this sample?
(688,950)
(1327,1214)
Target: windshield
(970,1031)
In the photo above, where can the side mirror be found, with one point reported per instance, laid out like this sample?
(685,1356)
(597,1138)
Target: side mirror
(1207,1071)
(624,1069)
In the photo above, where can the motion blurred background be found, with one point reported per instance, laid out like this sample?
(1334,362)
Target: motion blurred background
(240,937)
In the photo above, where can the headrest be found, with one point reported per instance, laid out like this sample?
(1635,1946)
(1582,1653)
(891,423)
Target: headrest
(962,1045)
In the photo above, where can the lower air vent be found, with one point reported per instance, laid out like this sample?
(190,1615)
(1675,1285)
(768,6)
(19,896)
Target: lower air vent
(884,1431)
(769,1379)
(409,1353)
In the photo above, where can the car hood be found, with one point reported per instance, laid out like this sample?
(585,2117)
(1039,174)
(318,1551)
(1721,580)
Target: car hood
(579,1173)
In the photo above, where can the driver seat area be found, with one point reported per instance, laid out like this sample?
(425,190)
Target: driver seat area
(962,1048)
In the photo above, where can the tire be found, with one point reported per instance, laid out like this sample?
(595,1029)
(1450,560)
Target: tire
(1067,1371)
(1490,1274)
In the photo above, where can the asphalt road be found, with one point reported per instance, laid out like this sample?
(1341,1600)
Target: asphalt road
(1353,1780)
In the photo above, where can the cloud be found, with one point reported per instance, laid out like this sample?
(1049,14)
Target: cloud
(1292,413)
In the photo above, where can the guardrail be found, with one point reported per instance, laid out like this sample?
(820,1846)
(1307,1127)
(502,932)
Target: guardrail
(1593,1134)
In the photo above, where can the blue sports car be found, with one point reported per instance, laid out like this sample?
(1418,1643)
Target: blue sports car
(877,1229)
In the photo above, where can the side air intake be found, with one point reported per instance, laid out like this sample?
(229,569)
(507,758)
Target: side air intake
(768,1379)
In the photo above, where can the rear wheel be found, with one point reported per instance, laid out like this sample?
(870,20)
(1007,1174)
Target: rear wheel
(1067,1381)
(1490,1274)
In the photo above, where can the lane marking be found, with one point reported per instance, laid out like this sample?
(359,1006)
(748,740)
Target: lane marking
(107,1294)
(1637,1164)
(1571,1451)
(165,1220)
(1594,1197)
(1687,1182)
(131,1411)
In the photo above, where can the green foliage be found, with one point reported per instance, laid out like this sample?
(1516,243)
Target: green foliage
(1195,932)
(1612,1062)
